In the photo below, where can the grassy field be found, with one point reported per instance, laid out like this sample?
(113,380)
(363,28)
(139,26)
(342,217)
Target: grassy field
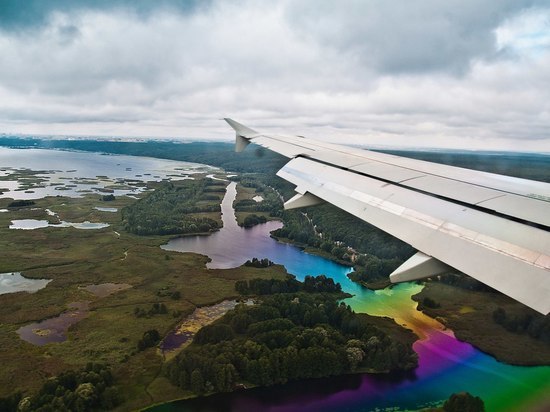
(470,315)
(75,258)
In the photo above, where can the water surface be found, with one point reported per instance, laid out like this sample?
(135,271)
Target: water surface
(14,282)
(31,224)
(54,329)
(37,173)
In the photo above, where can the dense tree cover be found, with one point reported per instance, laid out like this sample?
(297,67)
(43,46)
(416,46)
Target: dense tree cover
(259,263)
(149,339)
(527,321)
(263,185)
(463,402)
(165,211)
(429,303)
(343,227)
(108,198)
(463,281)
(155,309)
(90,389)
(285,337)
(253,220)
(21,203)
(371,269)
(311,284)
(373,253)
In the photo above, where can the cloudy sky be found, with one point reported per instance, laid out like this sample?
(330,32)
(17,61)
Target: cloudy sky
(453,73)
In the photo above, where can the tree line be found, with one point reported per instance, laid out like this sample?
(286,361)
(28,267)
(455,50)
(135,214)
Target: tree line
(527,321)
(311,284)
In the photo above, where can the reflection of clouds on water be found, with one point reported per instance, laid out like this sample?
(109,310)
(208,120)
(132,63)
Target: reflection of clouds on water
(31,224)
(14,282)
(106,209)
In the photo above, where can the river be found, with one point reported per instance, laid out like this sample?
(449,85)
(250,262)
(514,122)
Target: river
(446,365)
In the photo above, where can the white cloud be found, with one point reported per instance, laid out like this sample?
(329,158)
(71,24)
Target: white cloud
(416,74)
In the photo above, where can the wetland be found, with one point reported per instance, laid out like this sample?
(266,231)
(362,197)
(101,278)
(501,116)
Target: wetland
(82,268)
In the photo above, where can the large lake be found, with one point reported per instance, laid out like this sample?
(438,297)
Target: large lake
(76,173)
(446,365)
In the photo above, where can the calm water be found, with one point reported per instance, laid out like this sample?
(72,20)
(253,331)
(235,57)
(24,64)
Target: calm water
(14,282)
(54,330)
(446,365)
(31,224)
(76,173)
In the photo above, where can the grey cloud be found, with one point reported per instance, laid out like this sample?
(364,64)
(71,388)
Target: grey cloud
(407,36)
(352,72)
(16,15)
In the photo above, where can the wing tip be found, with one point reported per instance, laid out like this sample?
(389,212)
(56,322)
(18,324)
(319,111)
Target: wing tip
(240,129)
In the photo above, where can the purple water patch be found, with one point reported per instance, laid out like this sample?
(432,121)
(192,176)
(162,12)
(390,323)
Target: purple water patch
(54,329)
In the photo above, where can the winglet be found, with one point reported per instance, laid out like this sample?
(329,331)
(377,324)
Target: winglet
(243,134)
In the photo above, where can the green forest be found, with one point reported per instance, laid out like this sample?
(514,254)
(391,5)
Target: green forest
(83,390)
(286,336)
(172,207)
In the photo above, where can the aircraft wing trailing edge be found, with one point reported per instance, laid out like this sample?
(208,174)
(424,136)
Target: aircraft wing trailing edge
(494,228)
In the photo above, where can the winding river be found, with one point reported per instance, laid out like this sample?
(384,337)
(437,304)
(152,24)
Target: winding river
(446,365)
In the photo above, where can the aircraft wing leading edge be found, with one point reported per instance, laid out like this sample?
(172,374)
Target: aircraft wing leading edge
(494,228)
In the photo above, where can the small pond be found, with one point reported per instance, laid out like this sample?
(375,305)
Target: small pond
(31,224)
(15,282)
(54,329)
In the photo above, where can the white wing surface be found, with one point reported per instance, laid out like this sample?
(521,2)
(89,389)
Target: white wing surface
(492,227)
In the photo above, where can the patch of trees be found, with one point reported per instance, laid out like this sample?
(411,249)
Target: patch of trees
(465,282)
(532,323)
(311,284)
(259,263)
(371,269)
(149,339)
(156,309)
(271,202)
(428,302)
(375,254)
(89,389)
(166,210)
(285,337)
(463,402)
(253,220)
(21,203)
(108,198)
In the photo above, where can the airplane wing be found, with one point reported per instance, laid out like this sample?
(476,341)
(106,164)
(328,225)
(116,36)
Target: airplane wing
(492,227)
